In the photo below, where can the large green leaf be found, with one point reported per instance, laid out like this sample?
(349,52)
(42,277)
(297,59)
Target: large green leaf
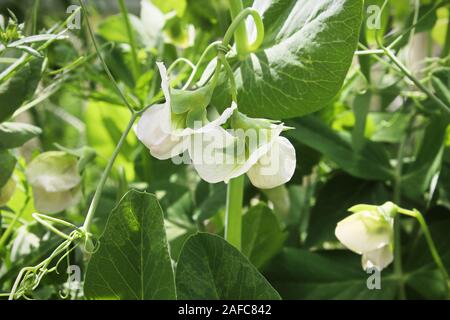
(369,162)
(307,51)
(262,236)
(300,274)
(133,260)
(7,164)
(211,269)
(19,88)
(14,135)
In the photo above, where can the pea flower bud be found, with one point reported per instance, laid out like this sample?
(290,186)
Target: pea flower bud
(369,232)
(163,128)
(55,181)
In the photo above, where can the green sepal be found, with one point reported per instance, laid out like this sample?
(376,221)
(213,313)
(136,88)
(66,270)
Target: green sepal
(183,101)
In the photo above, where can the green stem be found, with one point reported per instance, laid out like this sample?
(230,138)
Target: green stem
(131,37)
(238,21)
(102,60)
(11,226)
(408,74)
(240,36)
(446,49)
(233,222)
(398,268)
(199,63)
(431,245)
(34,17)
(105,174)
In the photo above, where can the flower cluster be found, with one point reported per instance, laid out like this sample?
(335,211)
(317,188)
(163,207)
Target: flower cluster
(249,146)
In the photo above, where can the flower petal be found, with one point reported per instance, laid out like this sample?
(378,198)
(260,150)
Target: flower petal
(153,21)
(364,232)
(54,171)
(54,202)
(276,167)
(379,258)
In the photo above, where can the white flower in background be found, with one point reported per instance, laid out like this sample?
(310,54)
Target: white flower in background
(258,150)
(55,181)
(7,191)
(153,21)
(164,133)
(369,232)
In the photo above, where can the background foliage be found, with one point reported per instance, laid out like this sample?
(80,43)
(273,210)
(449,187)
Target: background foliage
(364,133)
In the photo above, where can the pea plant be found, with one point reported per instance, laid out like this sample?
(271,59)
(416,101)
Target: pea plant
(228,149)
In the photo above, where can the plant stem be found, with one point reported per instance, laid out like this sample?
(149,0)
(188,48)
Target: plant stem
(102,60)
(431,245)
(11,226)
(408,74)
(131,37)
(446,49)
(233,220)
(398,268)
(105,174)
(240,36)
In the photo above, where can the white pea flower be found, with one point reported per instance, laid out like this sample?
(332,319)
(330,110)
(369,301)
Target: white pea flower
(255,148)
(165,133)
(369,232)
(55,181)
(153,21)
(7,191)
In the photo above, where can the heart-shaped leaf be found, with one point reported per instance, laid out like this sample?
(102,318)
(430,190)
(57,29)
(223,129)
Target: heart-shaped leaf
(307,50)
(211,269)
(133,260)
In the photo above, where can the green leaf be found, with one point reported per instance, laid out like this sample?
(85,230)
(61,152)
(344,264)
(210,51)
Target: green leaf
(14,135)
(211,269)
(7,165)
(307,51)
(333,201)
(19,88)
(300,274)
(361,107)
(371,162)
(133,260)
(112,29)
(262,236)
(417,177)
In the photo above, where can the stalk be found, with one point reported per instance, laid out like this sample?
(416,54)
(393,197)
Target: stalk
(233,225)
(431,245)
(240,35)
(131,37)
(105,174)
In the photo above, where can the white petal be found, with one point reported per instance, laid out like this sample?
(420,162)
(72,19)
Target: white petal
(209,155)
(54,202)
(276,167)
(164,81)
(379,258)
(54,172)
(211,126)
(364,232)
(153,20)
